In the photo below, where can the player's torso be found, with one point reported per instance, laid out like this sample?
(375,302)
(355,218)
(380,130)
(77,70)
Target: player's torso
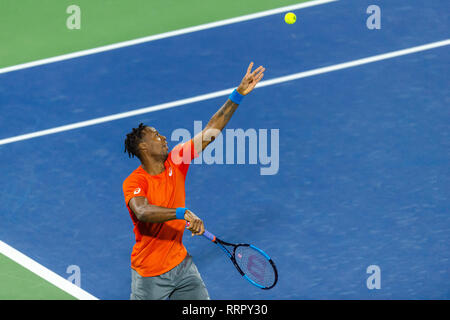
(167,188)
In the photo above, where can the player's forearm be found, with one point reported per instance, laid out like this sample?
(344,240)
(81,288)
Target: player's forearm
(215,125)
(155,214)
(220,119)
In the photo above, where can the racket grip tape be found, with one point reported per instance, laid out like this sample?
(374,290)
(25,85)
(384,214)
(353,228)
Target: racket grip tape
(209,236)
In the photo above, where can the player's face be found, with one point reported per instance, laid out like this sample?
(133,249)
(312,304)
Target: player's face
(157,143)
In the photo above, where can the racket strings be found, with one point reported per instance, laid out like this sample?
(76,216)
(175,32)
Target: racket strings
(255,265)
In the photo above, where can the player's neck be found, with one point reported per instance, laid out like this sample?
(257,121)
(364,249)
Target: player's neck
(152,166)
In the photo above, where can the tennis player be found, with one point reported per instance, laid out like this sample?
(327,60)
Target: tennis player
(154,194)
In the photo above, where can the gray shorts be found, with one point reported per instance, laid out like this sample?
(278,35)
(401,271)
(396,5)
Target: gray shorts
(181,283)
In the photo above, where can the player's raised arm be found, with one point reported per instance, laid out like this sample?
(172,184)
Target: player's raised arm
(220,119)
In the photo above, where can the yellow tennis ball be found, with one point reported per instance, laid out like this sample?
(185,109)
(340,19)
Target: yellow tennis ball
(290,18)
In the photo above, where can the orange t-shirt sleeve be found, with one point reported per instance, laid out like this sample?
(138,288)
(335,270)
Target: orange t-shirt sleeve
(182,155)
(134,186)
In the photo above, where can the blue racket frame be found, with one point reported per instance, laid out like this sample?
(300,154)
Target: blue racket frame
(231,255)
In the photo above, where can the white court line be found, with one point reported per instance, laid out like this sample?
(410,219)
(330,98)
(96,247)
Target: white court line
(45,273)
(164,35)
(225,92)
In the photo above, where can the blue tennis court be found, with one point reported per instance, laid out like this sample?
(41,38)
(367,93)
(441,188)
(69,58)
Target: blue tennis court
(364,153)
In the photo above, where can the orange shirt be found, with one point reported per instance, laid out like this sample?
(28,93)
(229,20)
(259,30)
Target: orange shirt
(159,246)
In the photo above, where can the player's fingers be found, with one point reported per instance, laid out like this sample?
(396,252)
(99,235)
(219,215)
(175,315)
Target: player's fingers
(259,77)
(258,70)
(195,227)
(250,66)
(192,226)
(199,227)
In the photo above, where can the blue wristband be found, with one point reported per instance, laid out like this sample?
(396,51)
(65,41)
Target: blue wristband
(180,213)
(236,97)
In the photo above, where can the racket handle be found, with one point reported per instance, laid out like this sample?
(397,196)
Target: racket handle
(207,234)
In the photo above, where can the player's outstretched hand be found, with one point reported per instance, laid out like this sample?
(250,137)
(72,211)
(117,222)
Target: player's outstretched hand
(195,224)
(250,79)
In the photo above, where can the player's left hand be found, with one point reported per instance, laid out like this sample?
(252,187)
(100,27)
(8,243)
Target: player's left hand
(250,79)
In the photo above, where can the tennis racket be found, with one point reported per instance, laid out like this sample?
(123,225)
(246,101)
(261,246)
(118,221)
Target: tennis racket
(251,262)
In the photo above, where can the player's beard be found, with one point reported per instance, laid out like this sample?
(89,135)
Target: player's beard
(165,155)
(161,156)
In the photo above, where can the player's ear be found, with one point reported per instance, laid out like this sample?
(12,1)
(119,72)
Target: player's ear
(143,147)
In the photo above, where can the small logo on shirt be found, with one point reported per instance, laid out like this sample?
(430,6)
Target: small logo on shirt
(170,171)
(137,190)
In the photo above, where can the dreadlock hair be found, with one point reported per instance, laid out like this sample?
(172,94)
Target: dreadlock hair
(132,141)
